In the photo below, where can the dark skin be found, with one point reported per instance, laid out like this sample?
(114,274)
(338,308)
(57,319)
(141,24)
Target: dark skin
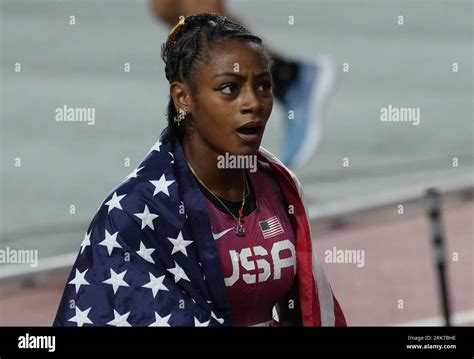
(218,105)
(221,101)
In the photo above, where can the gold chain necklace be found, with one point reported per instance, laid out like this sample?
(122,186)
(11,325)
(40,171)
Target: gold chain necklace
(240,230)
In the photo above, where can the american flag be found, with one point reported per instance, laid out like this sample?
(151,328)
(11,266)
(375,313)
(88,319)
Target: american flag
(271,227)
(148,256)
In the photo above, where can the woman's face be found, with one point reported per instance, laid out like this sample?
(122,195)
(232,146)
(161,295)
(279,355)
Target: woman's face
(234,98)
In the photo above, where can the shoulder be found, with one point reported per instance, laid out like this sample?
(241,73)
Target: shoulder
(266,171)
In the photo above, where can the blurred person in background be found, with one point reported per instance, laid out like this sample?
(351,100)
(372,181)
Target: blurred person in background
(303,88)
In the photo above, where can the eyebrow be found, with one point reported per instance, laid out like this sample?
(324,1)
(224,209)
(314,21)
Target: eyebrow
(236,74)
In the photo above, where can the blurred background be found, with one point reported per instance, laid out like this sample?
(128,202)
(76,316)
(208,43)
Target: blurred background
(365,184)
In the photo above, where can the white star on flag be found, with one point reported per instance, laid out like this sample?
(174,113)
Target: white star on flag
(178,273)
(110,242)
(156,147)
(79,279)
(172,157)
(86,241)
(116,280)
(155,284)
(147,217)
(134,173)
(145,253)
(160,321)
(179,244)
(114,202)
(197,323)
(220,320)
(120,320)
(161,185)
(81,317)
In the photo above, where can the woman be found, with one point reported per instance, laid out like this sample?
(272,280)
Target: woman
(302,87)
(202,234)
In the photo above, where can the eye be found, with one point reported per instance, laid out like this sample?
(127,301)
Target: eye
(265,86)
(228,88)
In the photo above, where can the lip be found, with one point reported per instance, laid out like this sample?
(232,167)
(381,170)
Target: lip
(251,138)
(252,124)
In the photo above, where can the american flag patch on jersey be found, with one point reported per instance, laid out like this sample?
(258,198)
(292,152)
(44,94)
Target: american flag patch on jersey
(271,227)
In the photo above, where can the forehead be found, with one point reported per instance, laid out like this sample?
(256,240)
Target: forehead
(224,56)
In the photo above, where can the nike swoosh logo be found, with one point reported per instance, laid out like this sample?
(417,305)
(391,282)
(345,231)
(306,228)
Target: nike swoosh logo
(220,234)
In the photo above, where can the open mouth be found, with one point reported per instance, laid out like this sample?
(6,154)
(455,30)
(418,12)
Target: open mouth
(250,130)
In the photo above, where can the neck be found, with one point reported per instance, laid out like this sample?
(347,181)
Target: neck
(224,183)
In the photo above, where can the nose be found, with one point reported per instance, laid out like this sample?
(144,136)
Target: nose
(251,102)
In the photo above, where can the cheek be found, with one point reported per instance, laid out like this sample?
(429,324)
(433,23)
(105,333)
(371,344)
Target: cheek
(210,122)
(270,104)
(216,112)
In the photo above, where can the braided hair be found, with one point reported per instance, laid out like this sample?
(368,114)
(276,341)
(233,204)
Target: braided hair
(186,47)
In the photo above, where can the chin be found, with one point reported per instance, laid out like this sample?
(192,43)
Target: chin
(248,149)
(242,149)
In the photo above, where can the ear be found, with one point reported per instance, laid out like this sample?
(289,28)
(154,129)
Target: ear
(181,94)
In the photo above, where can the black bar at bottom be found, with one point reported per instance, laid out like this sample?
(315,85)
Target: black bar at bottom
(419,341)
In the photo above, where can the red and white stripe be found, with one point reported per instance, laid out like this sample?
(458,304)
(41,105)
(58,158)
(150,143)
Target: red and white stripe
(319,306)
(274,229)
